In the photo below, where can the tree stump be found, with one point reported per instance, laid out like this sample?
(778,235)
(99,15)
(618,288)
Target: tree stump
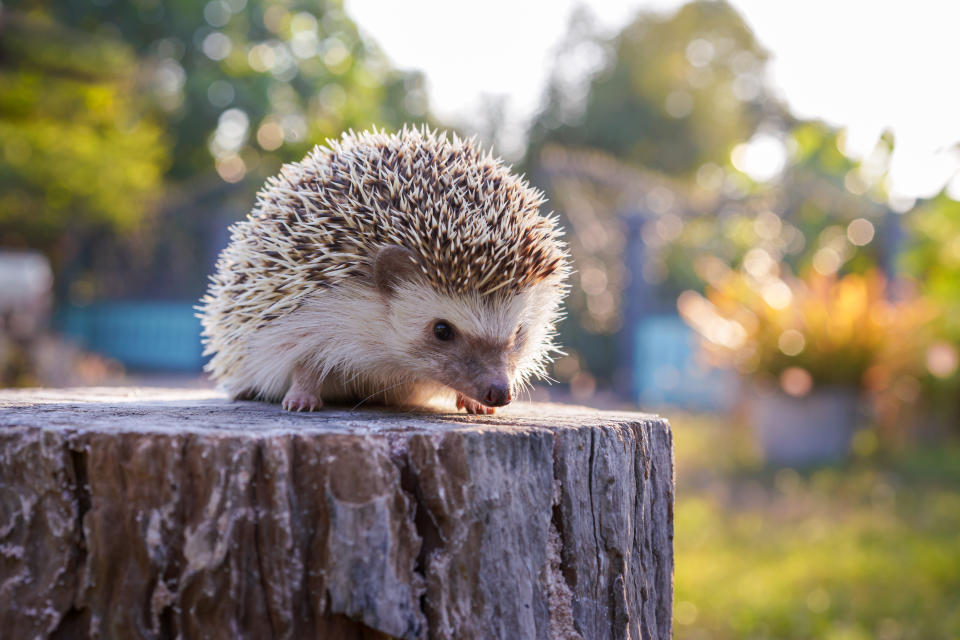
(145,513)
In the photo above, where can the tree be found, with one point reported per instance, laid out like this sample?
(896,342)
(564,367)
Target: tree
(76,147)
(246,84)
(668,94)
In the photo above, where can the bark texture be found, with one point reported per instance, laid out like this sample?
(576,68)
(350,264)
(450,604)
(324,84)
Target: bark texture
(135,513)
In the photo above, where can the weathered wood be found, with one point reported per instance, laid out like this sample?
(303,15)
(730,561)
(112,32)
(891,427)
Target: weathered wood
(134,513)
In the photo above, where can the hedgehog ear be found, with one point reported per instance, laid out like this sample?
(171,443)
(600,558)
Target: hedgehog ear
(392,266)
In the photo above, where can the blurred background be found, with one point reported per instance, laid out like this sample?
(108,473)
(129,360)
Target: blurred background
(762,200)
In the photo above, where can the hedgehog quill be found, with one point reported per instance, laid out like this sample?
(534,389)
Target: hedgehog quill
(394,269)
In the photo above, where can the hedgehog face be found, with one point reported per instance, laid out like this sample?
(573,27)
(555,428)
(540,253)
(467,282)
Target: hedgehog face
(480,346)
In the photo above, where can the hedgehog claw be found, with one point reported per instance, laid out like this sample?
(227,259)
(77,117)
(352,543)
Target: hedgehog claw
(472,406)
(299,401)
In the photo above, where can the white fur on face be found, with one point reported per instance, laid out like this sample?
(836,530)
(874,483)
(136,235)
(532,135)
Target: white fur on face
(493,319)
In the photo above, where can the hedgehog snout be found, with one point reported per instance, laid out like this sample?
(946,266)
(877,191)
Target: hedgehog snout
(497,394)
(490,386)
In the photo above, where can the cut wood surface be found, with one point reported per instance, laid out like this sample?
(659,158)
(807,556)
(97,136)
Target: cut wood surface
(171,513)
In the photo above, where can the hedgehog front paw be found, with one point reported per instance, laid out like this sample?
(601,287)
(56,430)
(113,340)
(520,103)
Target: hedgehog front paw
(472,406)
(297,400)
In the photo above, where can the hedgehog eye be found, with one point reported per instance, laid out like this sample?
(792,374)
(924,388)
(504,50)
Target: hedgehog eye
(442,330)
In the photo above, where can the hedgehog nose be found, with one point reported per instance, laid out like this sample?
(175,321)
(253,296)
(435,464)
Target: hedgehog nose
(497,395)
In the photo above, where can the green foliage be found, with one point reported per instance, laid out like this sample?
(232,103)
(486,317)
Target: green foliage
(667,93)
(253,82)
(676,104)
(800,221)
(75,148)
(933,255)
(869,550)
(675,93)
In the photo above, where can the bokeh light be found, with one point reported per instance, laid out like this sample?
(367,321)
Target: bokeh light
(762,158)
(942,359)
(791,342)
(860,232)
(796,381)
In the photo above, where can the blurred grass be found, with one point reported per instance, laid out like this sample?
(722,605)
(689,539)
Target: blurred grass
(867,549)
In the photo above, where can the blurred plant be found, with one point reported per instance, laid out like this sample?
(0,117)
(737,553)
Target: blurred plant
(932,256)
(667,92)
(76,147)
(806,218)
(668,133)
(247,84)
(819,330)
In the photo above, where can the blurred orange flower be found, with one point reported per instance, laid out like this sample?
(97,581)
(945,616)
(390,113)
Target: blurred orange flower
(844,331)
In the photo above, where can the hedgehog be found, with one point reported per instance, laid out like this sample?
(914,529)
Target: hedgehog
(396,269)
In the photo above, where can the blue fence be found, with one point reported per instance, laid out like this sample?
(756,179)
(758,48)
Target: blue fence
(163,336)
(667,371)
